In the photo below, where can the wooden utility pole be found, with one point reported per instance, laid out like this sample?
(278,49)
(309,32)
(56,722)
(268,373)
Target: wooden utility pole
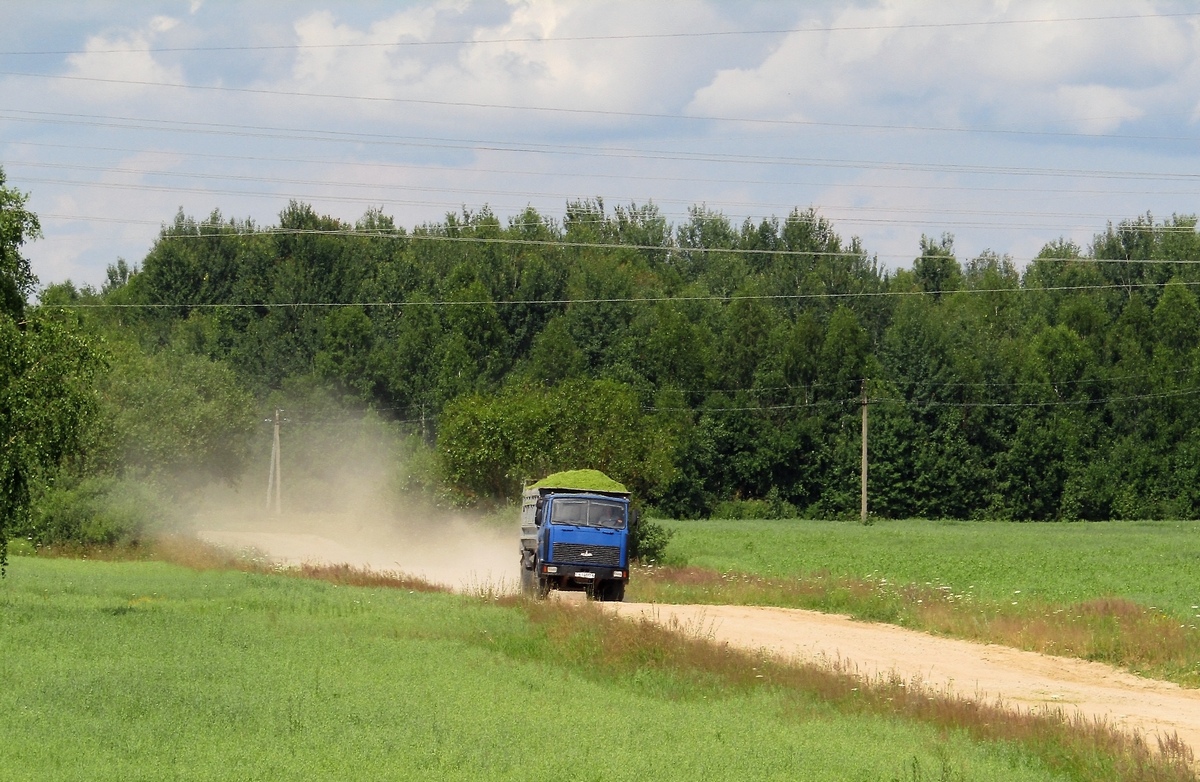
(863,503)
(275,474)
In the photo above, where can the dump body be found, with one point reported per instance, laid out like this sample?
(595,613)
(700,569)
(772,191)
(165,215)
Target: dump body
(575,539)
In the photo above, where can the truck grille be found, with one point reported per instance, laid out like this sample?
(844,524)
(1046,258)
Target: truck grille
(609,556)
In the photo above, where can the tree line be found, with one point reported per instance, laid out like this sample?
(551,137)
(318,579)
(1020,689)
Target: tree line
(717,368)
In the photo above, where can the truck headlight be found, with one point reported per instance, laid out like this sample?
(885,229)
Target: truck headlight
(618,574)
(549,568)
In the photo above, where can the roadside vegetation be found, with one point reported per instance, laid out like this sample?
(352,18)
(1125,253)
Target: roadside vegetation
(1124,593)
(145,670)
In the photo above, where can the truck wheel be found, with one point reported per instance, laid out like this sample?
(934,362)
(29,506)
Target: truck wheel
(612,591)
(528,582)
(543,587)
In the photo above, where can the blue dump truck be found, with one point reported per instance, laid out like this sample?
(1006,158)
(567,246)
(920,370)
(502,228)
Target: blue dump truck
(576,534)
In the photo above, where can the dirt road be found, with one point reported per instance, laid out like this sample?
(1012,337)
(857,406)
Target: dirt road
(1025,679)
(463,556)
(989,672)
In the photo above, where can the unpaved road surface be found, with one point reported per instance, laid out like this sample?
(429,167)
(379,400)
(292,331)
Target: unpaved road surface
(475,559)
(983,671)
(486,558)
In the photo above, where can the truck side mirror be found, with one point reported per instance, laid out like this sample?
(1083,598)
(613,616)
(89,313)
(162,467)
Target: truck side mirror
(634,517)
(540,512)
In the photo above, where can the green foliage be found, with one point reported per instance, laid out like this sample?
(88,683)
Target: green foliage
(649,540)
(703,363)
(489,444)
(936,269)
(171,415)
(98,510)
(773,507)
(46,371)
(17,226)
(47,399)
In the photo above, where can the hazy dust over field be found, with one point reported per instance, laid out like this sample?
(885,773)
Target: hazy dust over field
(348,500)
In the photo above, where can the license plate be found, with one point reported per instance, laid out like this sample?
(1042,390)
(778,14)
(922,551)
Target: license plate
(585,575)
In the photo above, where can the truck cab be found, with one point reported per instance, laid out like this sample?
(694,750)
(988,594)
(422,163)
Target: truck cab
(575,540)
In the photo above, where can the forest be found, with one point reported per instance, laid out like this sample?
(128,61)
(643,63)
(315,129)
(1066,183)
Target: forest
(719,369)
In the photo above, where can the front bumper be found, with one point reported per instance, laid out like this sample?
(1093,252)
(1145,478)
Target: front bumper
(581,573)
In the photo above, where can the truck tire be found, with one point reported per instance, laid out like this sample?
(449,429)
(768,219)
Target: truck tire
(543,587)
(528,582)
(611,591)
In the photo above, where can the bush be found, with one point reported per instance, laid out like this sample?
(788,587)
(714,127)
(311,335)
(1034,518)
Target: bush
(649,541)
(97,510)
(773,507)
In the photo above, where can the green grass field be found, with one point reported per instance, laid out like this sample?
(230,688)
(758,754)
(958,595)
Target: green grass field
(149,671)
(1152,563)
(1125,593)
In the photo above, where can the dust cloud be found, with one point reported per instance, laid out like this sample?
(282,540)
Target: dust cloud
(349,500)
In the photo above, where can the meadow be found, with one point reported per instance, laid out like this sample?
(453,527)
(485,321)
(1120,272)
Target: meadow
(149,670)
(1127,593)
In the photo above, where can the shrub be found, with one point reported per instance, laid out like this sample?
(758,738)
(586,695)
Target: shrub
(649,541)
(96,510)
(773,507)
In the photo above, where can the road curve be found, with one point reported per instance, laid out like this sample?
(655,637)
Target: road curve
(983,671)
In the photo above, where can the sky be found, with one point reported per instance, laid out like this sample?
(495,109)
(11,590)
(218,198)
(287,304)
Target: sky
(1006,124)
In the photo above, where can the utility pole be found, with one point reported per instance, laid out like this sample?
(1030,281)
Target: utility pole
(863,503)
(275,474)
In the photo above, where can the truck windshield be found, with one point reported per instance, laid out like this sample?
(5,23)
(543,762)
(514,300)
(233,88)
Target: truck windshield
(589,513)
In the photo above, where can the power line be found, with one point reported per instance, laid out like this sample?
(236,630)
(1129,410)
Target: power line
(589,112)
(955,385)
(542,148)
(520,194)
(928,404)
(845,212)
(442,171)
(615,37)
(456,204)
(921,404)
(614,300)
(229,231)
(675,248)
(1053,403)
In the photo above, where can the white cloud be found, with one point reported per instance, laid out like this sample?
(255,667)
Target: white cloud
(999,73)
(612,75)
(1097,108)
(125,59)
(161,24)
